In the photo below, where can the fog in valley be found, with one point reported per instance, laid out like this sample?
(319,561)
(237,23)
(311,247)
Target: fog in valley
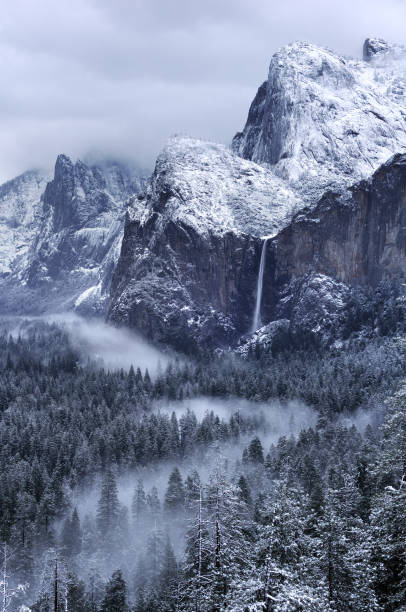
(148,488)
(110,346)
(95,340)
(145,459)
(146,516)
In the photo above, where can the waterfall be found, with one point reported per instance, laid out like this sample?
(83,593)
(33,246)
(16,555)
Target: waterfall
(256,323)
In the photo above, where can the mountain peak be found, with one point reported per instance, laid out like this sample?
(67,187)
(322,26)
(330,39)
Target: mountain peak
(205,186)
(373,46)
(377,49)
(63,160)
(323,121)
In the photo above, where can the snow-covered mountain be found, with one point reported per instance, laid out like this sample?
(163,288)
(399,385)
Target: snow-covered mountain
(187,274)
(322,121)
(60,240)
(190,243)
(188,270)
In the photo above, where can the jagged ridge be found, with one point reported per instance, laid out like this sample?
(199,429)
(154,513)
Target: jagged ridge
(69,235)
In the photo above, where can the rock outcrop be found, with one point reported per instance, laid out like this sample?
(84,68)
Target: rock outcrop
(189,288)
(20,208)
(358,238)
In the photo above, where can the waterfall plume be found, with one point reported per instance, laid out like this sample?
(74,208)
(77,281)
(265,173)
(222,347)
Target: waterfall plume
(256,323)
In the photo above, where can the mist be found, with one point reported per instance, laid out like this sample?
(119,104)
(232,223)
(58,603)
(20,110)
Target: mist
(273,419)
(106,346)
(113,347)
(270,422)
(267,421)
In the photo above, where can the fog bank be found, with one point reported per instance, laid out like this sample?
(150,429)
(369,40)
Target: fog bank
(95,340)
(115,347)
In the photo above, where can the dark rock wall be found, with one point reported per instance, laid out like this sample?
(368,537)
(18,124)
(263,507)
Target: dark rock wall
(179,287)
(186,289)
(359,241)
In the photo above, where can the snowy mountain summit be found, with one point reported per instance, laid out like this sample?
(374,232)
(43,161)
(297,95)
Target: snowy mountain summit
(213,191)
(322,121)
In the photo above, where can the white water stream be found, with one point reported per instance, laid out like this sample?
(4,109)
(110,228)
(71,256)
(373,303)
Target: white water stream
(256,323)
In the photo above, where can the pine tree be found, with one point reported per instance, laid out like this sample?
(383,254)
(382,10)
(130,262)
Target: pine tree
(244,492)
(192,489)
(139,504)
(72,535)
(153,506)
(89,535)
(174,436)
(283,550)
(389,529)
(46,513)
(153,560)
(168,579)
(198,557)
(21,563)
(347,546)
(95,591)
(108,507)
(7,593)
(53,594)
(175,493)
(115,598)
(76,599)
(232,554)
(255,451)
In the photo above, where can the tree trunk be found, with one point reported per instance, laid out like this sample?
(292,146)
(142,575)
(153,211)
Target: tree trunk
(56,587)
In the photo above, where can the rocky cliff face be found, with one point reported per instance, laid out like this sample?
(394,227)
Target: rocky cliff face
(65,235)
(188,269)
(187,272)
(358,239)
(322,121)
(191,288)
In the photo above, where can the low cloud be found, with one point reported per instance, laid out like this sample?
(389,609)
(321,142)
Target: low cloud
(121,77)
(104,345)
(112,347)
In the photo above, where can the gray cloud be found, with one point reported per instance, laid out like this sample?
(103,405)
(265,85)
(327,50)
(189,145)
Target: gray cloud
(122,76)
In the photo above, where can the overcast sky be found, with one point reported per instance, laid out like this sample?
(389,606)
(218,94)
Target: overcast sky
(120,76)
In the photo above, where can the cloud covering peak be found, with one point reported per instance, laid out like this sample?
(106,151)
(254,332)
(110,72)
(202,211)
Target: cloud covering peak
(121,77)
